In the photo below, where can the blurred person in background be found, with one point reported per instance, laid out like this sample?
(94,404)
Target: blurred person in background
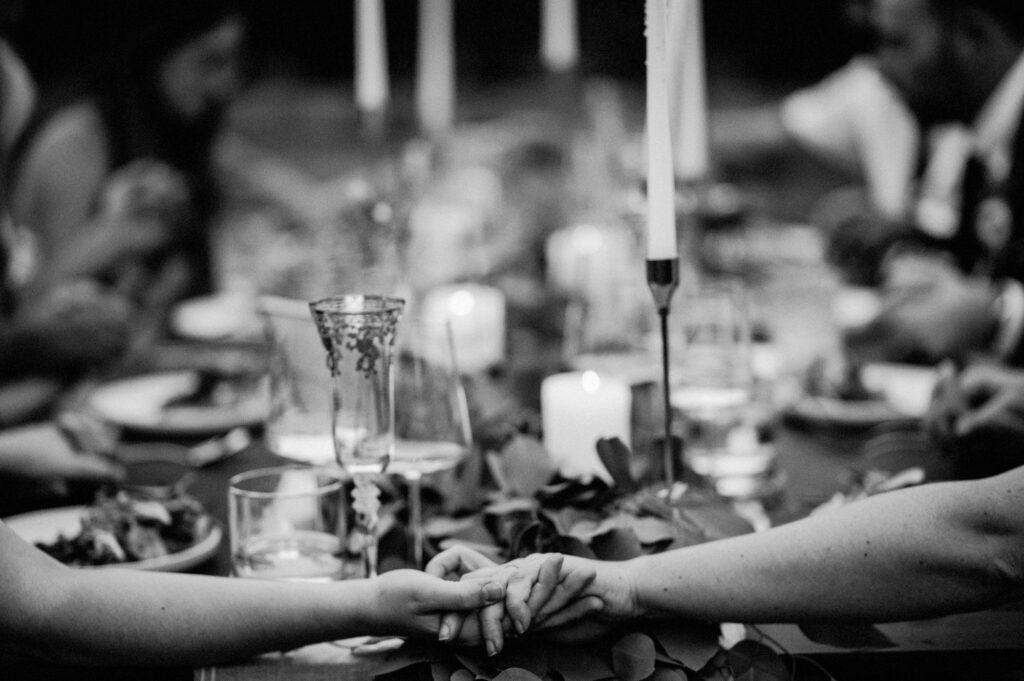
(53,339)
(977,418)
(950,271)
(116,181)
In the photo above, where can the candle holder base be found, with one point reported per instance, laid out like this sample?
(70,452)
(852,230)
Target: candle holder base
(663,279)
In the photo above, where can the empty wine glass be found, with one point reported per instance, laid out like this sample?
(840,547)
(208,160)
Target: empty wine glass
(358,332)
(432,432)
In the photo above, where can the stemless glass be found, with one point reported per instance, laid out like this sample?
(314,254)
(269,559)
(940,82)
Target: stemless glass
(432,431)
(358,332)
(712,388)
(287,523)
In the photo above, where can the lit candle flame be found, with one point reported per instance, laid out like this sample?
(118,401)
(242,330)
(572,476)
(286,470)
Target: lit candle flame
(461,303)
(591,381)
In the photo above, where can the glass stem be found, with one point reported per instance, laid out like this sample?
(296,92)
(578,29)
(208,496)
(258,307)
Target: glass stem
(366,503)
(414,479)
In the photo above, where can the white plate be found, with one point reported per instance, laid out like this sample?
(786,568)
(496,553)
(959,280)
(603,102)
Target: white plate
(907,388)
(46,526)
(140,403)
(217,316)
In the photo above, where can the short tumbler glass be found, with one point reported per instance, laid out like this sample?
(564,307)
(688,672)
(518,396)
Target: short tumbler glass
(288,523)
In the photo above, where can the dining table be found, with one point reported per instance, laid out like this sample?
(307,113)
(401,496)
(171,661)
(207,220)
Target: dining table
(987,644)
(816,460)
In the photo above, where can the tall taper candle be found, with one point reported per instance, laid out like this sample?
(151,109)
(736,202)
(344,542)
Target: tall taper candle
(371,80)
(435,67)
(661,215)
(688,90)
(559,40)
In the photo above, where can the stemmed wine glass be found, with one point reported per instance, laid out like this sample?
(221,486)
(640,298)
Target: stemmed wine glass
(432,430)
(358,332)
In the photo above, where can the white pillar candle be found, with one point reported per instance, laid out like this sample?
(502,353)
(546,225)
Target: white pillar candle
(435,67)
(559,41)
(688,90)
(577,410)
(477,316)
(371,80)
(661,215)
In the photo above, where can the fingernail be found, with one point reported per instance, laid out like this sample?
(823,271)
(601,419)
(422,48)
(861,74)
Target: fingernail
(520,626)
(445,633)
(493,591)
(492,649)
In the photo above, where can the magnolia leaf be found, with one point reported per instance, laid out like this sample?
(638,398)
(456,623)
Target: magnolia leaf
(579,663)
(716,521)
(653,530)
(633,657)
(525,466)
(847,635)
(505,525)
(517,674)
(575,493)
(753,661)
(572,546)
(494,553)
(618,544)
(565,519)
(462,675)
(522,655)
(474,665)
(537,537)
(664,674)
(446,526)
(616,458)
(648,530)
(688,642)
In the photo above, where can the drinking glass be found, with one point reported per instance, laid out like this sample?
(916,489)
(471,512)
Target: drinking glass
(712,389)
(358,332)
(287,523)
(432,432)
(298,425)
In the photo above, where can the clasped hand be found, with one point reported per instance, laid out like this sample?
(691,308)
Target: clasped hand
(542,592)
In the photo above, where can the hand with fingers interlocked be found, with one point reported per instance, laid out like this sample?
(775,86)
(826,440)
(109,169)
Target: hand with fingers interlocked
(542,592)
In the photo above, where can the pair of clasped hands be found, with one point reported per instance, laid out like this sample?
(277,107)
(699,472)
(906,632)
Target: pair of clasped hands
(565,596)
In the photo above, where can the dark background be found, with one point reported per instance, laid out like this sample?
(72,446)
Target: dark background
(783,42)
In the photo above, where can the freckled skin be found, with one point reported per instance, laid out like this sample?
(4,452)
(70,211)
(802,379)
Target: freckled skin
(935,549)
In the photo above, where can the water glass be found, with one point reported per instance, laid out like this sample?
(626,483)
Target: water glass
(298,425)
(432,430)
(288,523)
(712,390)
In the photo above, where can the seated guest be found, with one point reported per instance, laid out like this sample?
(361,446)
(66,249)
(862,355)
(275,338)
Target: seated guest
(38,466)
(959,66)
(72,328)
(977,417)
(117,184)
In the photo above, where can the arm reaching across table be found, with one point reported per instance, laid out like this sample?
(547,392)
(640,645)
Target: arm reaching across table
(915,553)
(122,617)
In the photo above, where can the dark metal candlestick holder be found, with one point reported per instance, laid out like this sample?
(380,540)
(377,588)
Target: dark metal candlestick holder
(663,279)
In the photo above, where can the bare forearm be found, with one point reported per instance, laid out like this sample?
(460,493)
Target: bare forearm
(124,617)
(894,557)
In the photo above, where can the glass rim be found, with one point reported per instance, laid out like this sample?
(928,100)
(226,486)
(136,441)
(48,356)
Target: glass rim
(334,484)
(357,303)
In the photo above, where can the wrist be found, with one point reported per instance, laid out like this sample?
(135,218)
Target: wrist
(629,576)
(364,608)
